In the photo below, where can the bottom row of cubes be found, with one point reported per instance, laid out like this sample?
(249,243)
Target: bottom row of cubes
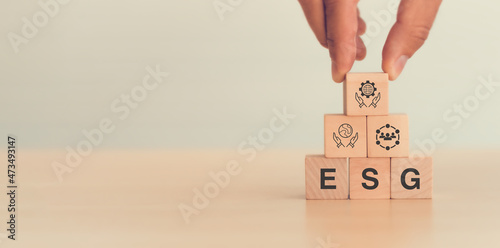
(367,178)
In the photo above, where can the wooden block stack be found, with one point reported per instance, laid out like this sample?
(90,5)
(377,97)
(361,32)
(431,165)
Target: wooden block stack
(366,149)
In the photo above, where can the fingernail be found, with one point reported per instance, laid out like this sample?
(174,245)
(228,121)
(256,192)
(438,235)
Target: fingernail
(399,65)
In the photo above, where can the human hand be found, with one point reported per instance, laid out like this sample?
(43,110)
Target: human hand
(338,26)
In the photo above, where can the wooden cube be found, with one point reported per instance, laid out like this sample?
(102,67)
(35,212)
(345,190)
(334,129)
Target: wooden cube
(370,178)
(388,136)
(345,136)
(366,94)
(411,178)
(326,178)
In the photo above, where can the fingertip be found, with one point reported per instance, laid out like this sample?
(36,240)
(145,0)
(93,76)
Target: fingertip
(341,32)
(399,65)
(360,49)
(342,56)
(361,26)
(360,55)
(338,78)
(339,72)
(394,67)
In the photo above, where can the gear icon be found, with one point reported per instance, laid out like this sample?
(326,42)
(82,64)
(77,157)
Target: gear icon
(367,89)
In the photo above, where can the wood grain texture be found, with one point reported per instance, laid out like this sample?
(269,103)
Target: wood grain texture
(345,136)
(377,181)
(411,178)
(314,164)
(388,136)
(366,94)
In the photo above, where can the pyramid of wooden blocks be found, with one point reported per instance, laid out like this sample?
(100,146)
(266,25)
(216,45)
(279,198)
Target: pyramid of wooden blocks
(366,152)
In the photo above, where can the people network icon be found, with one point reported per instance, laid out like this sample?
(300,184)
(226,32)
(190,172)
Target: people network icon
(388,137)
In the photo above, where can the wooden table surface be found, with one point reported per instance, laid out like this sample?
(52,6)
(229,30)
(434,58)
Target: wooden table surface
(131,198)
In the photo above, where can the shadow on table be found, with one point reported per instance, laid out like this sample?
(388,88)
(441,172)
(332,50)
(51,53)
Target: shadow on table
(380,223)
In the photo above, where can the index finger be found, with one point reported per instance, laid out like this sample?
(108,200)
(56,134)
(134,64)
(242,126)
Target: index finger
(341,33)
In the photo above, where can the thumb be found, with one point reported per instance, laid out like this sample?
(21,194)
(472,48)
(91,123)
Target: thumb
(414,21)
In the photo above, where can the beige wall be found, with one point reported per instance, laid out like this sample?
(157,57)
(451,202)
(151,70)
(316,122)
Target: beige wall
(227,76)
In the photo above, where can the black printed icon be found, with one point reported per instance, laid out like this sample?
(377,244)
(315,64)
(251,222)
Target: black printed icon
(388,137)
(367,90)
(345,131)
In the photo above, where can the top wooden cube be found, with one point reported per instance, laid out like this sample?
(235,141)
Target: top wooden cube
(366,94)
